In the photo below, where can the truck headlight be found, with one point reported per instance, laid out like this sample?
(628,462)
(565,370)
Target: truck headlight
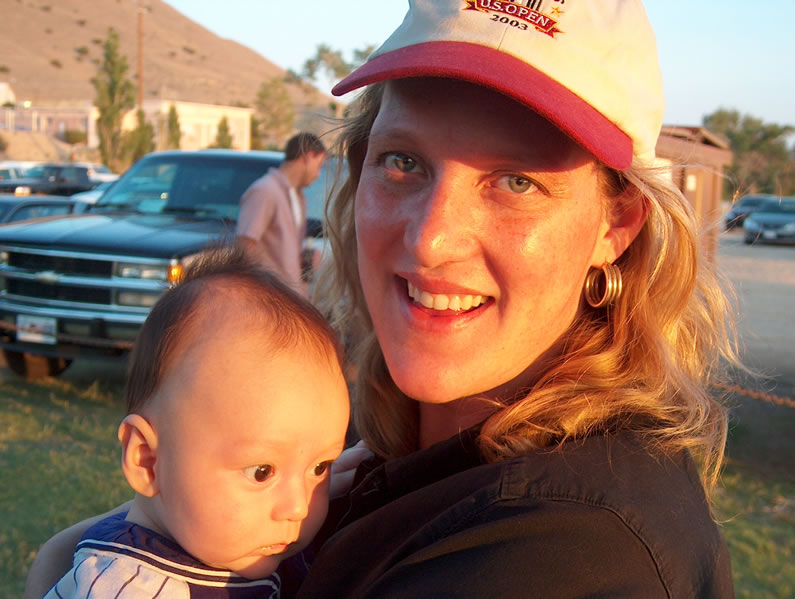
(3,258)
(170,273)
(137,298)
(750,224)
(788,228)
(149,272)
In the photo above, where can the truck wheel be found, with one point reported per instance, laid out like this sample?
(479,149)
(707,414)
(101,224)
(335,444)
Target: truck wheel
(34,366)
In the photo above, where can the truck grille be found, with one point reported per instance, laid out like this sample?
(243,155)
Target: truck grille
(67,293)
(72,281)
(61,264)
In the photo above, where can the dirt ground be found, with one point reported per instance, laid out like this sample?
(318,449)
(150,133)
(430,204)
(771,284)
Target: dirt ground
(29,145)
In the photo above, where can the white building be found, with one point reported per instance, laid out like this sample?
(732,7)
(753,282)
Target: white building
(6,94)
(198,123)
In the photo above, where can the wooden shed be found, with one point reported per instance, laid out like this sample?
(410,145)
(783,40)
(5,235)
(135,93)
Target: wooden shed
(697,159)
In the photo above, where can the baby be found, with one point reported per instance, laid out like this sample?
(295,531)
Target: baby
(237,407)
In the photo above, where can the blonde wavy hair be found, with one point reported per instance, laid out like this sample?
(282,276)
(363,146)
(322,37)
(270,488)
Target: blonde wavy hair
(646,364)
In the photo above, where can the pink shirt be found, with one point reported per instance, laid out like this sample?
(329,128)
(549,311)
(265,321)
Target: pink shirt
(267,217)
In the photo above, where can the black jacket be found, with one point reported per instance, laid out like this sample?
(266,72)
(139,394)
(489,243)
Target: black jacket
(600,518)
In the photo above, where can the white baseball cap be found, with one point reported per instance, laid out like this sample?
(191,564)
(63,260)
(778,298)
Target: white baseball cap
(588,66)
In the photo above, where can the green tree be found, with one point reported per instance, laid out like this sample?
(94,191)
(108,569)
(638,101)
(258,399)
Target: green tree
(274,111)
(174,135)
(332,63)
(115,95)
(223,138)
(3,145)
(138,142)
(762,162)
(256,140)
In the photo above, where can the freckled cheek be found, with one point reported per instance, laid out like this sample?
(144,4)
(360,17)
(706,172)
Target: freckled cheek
(539,252)
(376,214)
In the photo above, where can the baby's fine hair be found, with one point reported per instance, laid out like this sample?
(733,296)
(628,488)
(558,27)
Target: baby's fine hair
(221,280)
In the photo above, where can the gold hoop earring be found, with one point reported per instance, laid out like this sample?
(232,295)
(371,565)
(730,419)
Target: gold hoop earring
(603,292)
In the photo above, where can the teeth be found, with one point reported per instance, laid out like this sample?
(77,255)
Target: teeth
(441,301)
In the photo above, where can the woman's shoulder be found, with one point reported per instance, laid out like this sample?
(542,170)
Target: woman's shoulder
(609,470)
(616,494)
(607,505)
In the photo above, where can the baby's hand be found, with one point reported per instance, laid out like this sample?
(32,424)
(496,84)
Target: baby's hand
(344,468)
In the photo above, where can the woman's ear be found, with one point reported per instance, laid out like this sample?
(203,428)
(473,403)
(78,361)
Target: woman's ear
(139,454)
(627,216)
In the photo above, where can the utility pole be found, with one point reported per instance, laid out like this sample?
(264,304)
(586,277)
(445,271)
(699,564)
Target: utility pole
(140,54)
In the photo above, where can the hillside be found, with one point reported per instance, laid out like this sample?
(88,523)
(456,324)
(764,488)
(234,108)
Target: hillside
(49,51)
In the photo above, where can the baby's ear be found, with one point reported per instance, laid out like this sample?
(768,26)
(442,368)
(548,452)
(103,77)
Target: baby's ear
(138,454)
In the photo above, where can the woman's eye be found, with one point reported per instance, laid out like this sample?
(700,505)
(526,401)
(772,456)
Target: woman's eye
(516,183)
(322,468)
(259,473)
(399,162)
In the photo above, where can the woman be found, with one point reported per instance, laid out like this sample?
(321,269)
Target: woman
(533,324)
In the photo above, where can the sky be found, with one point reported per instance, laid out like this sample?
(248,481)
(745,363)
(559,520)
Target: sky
(733,54)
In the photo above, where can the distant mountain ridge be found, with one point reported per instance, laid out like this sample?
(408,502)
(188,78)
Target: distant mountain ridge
(50,49)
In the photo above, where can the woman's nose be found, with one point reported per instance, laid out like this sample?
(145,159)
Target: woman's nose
(441,224)
(292,501)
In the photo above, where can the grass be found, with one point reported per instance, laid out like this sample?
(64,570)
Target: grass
(59,462)
(756,500)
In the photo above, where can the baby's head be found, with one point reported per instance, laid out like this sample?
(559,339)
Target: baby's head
(237,406)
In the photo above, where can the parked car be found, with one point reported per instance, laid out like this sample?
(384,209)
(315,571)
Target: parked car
(772,222)
(18,208)
(92,195)
(20,166)
(740,209)
(9,172)
(51,179)
(98,172)
(81,285)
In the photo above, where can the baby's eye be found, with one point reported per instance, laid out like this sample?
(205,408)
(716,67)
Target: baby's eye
(516,183)
(399,162)
(322,468)
(259,473)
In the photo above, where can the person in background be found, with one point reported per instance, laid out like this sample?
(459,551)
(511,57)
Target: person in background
(228,441)
(272,221)
(534,322)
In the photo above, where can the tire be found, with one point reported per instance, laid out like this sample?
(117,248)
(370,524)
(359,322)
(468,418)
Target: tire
(34,366)
(749,240)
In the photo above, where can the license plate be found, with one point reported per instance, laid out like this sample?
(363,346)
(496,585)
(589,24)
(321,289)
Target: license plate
(38,329)
(769,234)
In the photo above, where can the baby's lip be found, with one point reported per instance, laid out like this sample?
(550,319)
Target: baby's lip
(275,548)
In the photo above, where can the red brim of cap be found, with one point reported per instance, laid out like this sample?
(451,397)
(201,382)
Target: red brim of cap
(511,77)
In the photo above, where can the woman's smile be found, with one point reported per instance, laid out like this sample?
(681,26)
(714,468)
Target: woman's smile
(442,302)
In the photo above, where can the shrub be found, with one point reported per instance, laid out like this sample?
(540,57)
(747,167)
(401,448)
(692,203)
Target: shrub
(81,22)
(4,68)
(3,144)
(56,63)
(73,136)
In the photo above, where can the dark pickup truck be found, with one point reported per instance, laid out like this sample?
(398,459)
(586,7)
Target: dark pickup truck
(82,285)
(52,179)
